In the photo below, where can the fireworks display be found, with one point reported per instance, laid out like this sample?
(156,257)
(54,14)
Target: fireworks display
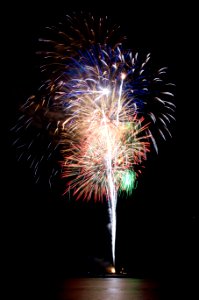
(100,106)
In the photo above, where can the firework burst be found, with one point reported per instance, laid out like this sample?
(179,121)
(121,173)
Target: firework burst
(100,107)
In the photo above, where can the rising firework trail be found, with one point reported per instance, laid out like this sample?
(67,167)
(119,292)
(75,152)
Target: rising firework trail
(100,106)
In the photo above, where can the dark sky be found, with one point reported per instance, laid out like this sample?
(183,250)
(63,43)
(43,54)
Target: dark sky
(157,224)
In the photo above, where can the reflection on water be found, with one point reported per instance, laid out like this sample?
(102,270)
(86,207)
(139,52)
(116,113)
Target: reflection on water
(107,289)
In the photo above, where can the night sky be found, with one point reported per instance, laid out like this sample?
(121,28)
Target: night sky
(157,225)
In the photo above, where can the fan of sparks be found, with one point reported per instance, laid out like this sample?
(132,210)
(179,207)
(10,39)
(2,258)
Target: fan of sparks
(101,107)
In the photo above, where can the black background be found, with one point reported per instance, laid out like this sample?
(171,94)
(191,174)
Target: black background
(157,227)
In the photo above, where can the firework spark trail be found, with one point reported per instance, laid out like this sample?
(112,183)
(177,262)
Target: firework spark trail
(100,107)
(119,98)
(112,190)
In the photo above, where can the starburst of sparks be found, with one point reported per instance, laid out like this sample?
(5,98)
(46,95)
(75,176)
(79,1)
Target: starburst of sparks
(101,107)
